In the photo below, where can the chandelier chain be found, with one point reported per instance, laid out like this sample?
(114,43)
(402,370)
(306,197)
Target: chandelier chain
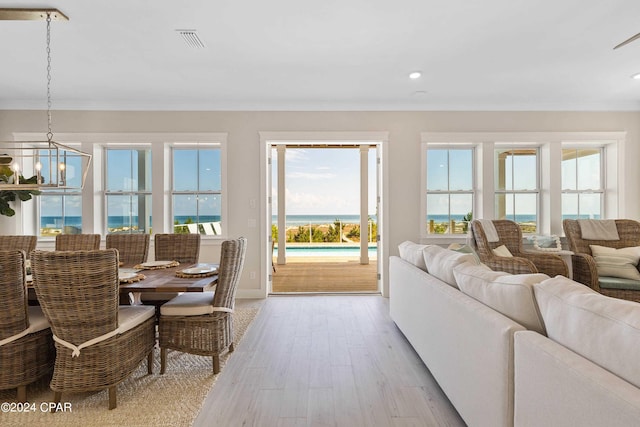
(49,133)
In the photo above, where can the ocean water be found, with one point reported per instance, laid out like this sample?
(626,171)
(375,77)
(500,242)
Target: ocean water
(115,221)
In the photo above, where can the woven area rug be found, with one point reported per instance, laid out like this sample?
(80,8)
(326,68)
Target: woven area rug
(172,399)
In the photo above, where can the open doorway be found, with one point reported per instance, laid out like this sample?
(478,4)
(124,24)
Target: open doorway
(324,217)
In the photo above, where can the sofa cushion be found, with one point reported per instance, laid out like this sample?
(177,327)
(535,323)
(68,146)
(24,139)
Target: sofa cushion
(602,329)
(614,262)
(509,294)
(440,262)
(412,252)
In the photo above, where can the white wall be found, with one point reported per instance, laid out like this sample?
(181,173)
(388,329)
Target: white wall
(243,151)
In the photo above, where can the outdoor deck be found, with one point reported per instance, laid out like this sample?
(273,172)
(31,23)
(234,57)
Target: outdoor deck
(325,274)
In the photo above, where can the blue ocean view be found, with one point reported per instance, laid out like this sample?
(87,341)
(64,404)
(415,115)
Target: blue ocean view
(115,221)
(292,220)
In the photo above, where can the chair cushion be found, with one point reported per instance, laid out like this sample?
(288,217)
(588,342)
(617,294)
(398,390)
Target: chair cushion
(619,283)
(130,316)
(614,262)
(189,304)
(602,329)
(412,252)
(37,321)
(440,262)
(503,251)
(509,294)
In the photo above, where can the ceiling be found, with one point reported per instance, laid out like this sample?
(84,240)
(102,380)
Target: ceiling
(326,55)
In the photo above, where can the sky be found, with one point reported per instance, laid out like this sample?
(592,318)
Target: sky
(323,181)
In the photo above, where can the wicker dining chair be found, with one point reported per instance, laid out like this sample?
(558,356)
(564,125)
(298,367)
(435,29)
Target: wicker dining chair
(23,243)
(77,242)
(510,235)
(132,249)
(26,345)
(98,344)
(584,265)
(184,248)
(202,323)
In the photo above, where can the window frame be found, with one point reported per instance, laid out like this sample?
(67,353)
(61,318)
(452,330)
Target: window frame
(600,190)
(107,193)
(197,193)
(513,192)
(425,191)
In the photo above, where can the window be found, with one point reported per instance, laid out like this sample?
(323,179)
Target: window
(197,190)
(128,190)
(60,209)
(533,178)
(582,190)
(516,187)
(450,190)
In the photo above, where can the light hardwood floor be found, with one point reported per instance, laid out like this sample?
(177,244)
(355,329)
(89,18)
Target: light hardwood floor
(326,360)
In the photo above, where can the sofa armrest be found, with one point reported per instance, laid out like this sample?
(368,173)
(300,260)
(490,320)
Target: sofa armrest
(584,270)
(556,387)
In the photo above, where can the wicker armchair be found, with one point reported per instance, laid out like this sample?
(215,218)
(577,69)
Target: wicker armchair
(22,243)
(584,265)
(510,235)
(184,248)
(77,242)
(98,344)
(26,345)
(202,323)
(132,248)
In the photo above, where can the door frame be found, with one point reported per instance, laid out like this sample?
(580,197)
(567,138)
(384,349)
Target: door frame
(267,139)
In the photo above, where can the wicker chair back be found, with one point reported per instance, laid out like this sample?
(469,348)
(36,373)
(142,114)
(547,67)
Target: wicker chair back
(78,291)
(184,248)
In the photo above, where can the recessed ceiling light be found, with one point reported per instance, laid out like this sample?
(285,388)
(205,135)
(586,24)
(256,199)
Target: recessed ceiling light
(415,75)
(636,76)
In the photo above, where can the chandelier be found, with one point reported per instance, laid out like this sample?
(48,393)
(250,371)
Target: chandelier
(47,163)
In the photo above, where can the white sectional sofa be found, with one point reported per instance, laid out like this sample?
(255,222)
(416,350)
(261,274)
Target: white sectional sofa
(523,350)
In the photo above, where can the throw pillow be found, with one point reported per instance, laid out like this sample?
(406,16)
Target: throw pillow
(441,262)
(602,329)
(412,252)
(502,251)
(612,262)
(509,294)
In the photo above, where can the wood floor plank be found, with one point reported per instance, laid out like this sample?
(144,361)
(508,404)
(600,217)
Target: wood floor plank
(334,360)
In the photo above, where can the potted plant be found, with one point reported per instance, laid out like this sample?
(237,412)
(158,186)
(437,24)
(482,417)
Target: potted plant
(8,196)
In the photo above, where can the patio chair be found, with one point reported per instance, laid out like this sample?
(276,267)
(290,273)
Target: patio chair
(98,344)
(202,323)
(26,345)
(584,264)
(509,234)
(132,249)
(77,242)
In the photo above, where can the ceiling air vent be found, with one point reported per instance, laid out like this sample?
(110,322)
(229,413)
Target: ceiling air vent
(191,38)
